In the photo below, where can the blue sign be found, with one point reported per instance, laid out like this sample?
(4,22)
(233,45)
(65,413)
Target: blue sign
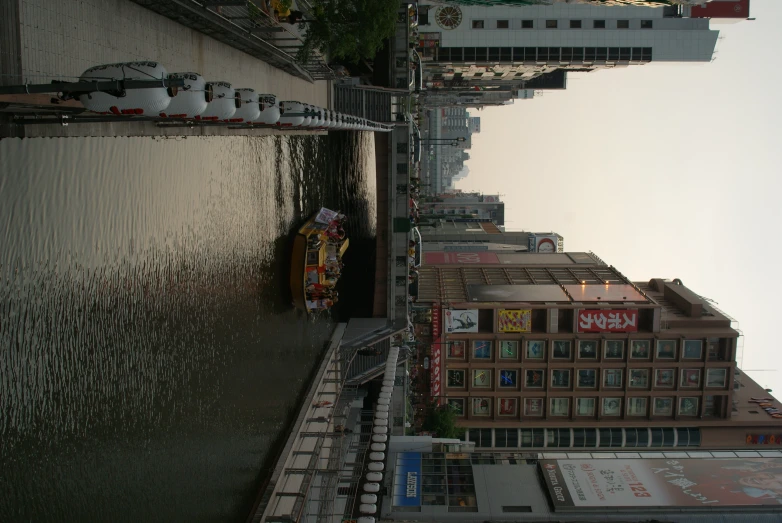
(407,480)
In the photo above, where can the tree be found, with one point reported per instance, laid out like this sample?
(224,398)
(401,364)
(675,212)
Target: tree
(441,419)
(349,30)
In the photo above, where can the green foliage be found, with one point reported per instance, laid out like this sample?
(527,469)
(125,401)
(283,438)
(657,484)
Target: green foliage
(442,421)
(349,30)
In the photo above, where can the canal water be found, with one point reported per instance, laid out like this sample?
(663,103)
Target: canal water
(150,360)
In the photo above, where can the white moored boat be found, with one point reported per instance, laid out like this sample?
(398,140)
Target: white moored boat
(270,110)
(223,102)
(189,101)
(148,101)
(250,109)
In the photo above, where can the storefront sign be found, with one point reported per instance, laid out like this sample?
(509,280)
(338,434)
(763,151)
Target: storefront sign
(460,258)
(407,480)
(764,439)
(608,320)
(436,360)
(630,483)
(461,321)
(767,404)
(519,320)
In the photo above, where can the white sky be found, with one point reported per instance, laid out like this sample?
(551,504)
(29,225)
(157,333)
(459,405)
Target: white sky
(661,170)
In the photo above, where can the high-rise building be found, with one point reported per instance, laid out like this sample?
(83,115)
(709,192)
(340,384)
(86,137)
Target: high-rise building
(464,208)
(502,44)
(474,124)
(562,351)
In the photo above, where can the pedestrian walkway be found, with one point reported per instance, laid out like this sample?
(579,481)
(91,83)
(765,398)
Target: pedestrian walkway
(48,40)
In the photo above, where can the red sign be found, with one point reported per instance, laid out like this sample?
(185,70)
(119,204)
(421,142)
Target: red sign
(724,9)
(764,439)
(608,320)
(435,362)
(460,258)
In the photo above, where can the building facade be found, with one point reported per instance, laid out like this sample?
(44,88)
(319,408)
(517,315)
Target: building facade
(507,44)
(560,350)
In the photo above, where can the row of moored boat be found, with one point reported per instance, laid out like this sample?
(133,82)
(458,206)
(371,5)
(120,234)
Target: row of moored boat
(208,101)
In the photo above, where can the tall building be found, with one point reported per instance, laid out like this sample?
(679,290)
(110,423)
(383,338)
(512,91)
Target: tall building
(464,208)
(503,44)
(474,124)
(562,351)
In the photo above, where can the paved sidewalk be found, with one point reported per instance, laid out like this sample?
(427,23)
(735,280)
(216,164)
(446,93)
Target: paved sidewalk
(62,38)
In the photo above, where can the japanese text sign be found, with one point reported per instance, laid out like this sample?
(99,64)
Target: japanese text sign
(607,320)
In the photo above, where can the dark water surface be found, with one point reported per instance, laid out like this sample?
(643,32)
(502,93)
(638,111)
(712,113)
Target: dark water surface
(149,357)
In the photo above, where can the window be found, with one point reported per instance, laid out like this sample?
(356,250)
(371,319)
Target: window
(636,406)
(664,377)
(612,378)
(614,349)
(716,377)
(693,349)
(599,24)
(503,24)
(533,407)
(551,24)
(508,378)
(639,378)
(561,349)
(481,407)
(666,349)
(536,349)
(507,406)
(575,24)
(623,24)
(559,407)
(509,350)
(587,349)
(690,378)
(456,350)
(516,508)
(688,406)
(640,349)
(534,378)
(663,406)
(610,437)
(477,24)
(646,24)
(481,378)
(585,406)
(612,406)
(481,350)
(527,24)
(587,378)
(456,405)
(560,378)
(455,379)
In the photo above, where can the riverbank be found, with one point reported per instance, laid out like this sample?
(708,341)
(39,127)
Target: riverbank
(44,41)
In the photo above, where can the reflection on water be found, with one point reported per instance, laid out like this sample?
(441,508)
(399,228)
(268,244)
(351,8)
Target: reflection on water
(149,357)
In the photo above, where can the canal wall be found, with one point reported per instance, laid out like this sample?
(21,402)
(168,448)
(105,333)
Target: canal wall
(43,40)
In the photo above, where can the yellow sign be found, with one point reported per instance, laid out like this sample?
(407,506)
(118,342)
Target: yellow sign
(518,320)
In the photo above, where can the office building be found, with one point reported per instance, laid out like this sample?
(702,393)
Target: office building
(560,350)
(505,44)
(464,208)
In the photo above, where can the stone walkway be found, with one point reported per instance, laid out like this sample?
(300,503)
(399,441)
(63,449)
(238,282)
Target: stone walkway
(60,39)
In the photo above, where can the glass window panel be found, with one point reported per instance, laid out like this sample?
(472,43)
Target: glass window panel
(578,54)
(668,437)
(657,437)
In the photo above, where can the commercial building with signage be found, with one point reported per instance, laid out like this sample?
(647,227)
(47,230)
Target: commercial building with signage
(562,351)
(686,487)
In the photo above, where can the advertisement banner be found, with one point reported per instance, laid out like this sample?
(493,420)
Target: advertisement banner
(607,320)
(460,258)
(547,243)
(519,320)
(407,480)
(461,321)
(687,482)
(436,360)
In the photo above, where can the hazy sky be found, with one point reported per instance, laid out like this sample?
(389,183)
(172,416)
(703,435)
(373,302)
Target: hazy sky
(669,171)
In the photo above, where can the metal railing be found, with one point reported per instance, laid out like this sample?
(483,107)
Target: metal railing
(248,26)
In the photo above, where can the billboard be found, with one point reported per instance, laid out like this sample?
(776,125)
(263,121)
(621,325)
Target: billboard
(407,480)
(517,320)
(545,243)
(722,9)
(437,353)
(632,483)
(459,258)
(461,321)
(607,320)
